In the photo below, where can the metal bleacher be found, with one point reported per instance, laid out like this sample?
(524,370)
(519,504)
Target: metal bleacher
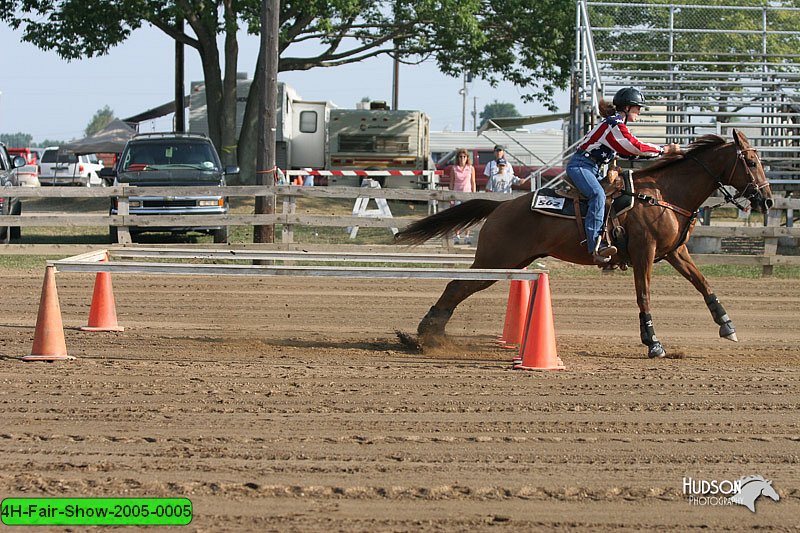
(704,69)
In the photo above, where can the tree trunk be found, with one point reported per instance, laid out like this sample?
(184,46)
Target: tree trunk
(227,148)
(209,58)
(248,138)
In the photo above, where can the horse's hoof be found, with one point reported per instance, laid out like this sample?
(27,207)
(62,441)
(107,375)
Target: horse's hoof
(432,341)
(656,351)
(727,331)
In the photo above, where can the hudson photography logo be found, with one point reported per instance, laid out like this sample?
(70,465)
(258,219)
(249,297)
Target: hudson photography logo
(743,491)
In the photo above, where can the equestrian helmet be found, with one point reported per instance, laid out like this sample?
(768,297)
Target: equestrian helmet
(629,96)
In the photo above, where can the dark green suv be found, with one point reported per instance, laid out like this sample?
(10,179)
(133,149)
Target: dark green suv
(172,160)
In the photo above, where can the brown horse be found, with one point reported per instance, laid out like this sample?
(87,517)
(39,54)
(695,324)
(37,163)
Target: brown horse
(668,195)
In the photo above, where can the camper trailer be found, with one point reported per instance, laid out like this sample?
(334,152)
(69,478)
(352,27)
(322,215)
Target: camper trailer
(301,140)
(319,136)
(378,139)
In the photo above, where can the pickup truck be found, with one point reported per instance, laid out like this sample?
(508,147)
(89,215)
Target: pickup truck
(62,168)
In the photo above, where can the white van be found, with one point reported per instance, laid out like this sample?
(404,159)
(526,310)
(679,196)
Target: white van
(62,168)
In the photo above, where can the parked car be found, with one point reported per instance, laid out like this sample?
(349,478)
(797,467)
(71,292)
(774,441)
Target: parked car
(171,160)
(31,155)
(63,168)
(28,176)
(9,205)
(479,158)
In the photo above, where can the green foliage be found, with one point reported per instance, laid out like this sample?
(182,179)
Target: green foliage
(49,142)
(527,43)
(101,119)
(16,140)
(498,109)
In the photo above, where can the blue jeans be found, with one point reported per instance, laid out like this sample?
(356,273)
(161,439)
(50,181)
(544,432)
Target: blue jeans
(585,174)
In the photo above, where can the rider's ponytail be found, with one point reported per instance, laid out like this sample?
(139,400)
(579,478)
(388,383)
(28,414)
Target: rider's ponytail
(607,109)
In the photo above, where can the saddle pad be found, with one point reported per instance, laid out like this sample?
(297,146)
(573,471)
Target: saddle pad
(547,202)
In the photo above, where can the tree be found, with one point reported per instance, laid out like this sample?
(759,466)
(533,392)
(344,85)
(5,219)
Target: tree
(498,109)
(49,142)
(100,120)
(532,48)
(16,140)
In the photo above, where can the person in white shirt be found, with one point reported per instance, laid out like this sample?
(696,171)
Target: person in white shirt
(502,181)
(491,167)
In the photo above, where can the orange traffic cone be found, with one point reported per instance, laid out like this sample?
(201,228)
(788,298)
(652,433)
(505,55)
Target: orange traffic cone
(539,344)
(103,312)
(48,339)
(519,295)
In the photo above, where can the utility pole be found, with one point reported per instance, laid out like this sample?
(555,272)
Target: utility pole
(475,113)
(180,104)
(463,93)
(267,119)
(396,83)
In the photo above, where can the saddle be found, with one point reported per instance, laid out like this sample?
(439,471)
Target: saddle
(612,184)
(566,201)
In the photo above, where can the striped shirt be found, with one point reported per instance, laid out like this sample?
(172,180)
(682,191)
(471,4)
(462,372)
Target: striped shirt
(612,138)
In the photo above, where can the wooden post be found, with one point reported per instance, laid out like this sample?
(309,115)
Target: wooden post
(180,105)
(289,208)
(267,119)
(123,210)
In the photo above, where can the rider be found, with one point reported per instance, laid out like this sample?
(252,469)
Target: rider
(609,139)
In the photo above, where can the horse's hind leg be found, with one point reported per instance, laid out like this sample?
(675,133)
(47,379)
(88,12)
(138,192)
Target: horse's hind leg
(433,323)
(683,263)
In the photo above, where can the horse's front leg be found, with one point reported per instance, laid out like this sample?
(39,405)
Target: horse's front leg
(642,268)
(683,263)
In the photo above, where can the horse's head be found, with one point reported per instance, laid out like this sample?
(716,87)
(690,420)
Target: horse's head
(768,491)
(748,177)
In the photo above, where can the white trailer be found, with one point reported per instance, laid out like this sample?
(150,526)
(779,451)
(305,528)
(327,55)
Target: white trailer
(316,135)
(378,139)
(301,136)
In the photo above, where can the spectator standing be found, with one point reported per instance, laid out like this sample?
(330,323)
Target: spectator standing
(462,174)
(502,180)
(462,179)
(308,179)
(491,167)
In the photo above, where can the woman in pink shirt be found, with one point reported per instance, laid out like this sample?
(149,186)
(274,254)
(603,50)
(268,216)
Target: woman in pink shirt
(462,174)
(462,179)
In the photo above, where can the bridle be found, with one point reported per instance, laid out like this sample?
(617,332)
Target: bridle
(751,192)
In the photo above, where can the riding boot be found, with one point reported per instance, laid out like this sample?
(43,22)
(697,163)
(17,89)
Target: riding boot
(603,252)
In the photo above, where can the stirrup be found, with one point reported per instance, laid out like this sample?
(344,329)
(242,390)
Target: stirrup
(606,250)
(601,259)
(602,255)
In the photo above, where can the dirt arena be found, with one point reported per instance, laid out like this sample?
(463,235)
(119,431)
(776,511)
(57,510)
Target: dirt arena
(287,404)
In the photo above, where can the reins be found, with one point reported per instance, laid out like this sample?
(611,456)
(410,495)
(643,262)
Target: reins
(730,198)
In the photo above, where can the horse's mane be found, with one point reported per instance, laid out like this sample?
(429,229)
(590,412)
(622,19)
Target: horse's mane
(701,144)
(745,480)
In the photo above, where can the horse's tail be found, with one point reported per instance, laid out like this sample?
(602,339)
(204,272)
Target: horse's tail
(456,218)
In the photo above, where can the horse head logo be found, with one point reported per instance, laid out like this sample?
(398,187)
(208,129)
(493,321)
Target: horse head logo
(751,488)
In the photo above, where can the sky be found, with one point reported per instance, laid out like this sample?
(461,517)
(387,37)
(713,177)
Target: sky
(50,98)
